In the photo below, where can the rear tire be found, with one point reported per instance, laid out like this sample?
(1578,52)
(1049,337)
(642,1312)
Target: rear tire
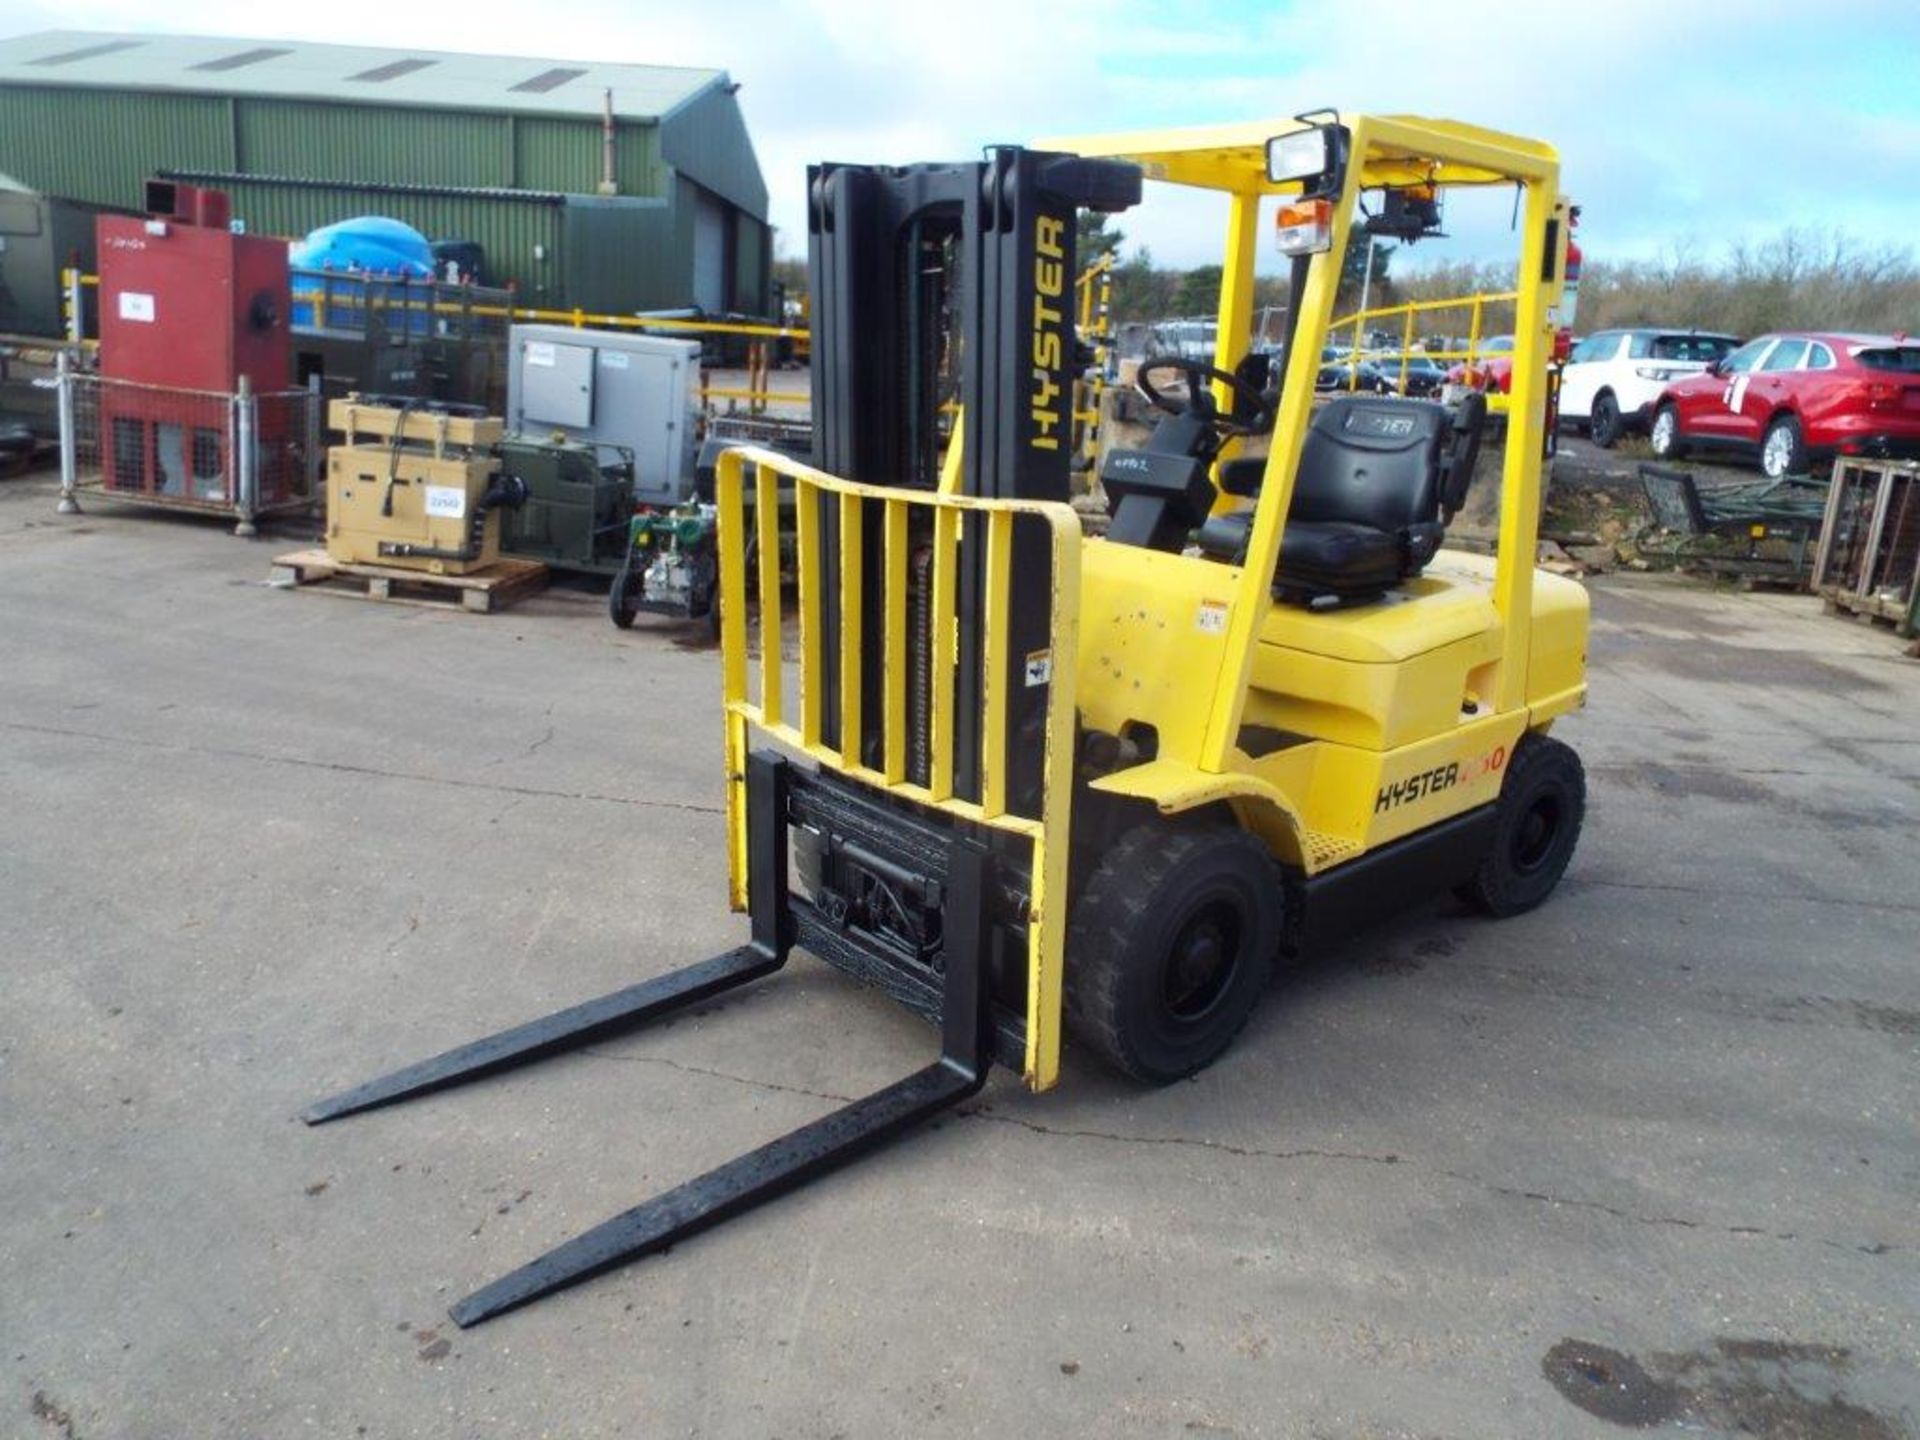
(620,607)
(1543,800)
(1663,437)
(1170,947)
(1604,424)
(1783,449)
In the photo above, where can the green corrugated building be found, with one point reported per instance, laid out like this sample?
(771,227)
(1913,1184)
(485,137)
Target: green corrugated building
(608,187)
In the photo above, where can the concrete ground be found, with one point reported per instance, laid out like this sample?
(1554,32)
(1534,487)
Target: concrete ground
(1647,1154)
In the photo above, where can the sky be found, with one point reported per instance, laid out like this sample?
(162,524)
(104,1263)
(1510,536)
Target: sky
(1683,126)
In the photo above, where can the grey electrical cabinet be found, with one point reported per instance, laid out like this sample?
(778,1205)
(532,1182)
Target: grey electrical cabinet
(606,386)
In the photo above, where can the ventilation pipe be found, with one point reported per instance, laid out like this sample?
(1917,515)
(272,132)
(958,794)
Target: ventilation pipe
(608,185)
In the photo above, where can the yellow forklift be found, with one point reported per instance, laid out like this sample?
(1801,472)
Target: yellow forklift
(1033,784)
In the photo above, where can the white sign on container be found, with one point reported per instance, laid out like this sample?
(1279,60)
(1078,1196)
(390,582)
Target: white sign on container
(449,502)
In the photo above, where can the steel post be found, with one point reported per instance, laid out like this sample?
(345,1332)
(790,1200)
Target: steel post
(311,456)
(246,460)
(69,439)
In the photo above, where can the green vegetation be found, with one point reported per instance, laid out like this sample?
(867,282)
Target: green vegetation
(1799,280)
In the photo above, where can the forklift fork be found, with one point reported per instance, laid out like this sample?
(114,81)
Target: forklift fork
(759,1175)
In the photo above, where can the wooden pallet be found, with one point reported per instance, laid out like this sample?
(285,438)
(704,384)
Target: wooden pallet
(1867,609)
(482,591)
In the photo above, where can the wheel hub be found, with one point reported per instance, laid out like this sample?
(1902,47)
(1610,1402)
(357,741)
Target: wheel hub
(1779,447)
(1534,836)
(1201,963)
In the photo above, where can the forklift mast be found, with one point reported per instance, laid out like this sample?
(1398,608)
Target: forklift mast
(930,284)
(908,261)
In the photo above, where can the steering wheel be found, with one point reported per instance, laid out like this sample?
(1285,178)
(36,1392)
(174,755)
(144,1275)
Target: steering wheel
(1199,400)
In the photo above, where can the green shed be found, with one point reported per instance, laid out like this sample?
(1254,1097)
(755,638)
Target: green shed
(607,187)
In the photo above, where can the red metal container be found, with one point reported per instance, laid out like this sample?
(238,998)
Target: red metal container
(190,304)
(186,305)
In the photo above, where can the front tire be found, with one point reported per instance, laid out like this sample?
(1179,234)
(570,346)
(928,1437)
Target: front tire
(1664,436)
(1604,423)
(1543,800)
(1170,947)
(1783,449)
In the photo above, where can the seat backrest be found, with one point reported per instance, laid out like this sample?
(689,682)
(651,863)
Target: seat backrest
(1375,462)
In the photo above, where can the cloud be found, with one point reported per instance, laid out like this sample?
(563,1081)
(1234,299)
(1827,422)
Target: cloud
(1678,125)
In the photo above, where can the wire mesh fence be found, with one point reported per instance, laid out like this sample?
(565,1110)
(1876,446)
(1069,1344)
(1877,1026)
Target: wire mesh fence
(242,453)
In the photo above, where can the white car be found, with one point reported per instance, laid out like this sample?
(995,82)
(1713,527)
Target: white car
(1613,377)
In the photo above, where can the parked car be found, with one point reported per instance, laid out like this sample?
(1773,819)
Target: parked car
(1377,374)
(1491,369)
(1613,377)
(1423,375)
(1797,397)
(1336,367)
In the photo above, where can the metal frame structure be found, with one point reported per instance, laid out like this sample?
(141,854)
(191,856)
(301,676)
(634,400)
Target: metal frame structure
(1199,761)
(1868,561)
(759,701)
(288,448)
(1000,569)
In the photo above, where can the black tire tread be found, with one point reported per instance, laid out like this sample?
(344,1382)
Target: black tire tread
(618,611)
(1610,437)
(1534,753)
(1114,905)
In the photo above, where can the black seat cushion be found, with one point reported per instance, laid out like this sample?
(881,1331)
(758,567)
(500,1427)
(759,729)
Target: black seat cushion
(1366,507)
(1372,461)
(1326,557)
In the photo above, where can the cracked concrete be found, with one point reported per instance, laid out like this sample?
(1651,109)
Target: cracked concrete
(258,845)
(984,1112)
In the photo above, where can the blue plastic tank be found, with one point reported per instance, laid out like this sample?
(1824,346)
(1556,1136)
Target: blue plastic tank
(375,246)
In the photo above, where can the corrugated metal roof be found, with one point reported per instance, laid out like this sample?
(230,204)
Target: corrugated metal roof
(359,74)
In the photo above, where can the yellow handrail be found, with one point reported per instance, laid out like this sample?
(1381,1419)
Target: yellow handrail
(577,318)
(1405,312)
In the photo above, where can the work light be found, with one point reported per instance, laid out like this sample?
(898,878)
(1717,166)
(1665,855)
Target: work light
(1315,157)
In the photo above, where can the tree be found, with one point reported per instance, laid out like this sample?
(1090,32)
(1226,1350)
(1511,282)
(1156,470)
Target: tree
(791,273)
(1198,292)
(1353,272)
(1140,292)
(1094,236)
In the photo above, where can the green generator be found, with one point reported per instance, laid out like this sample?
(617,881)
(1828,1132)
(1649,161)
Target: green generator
(578,505)
(580,515)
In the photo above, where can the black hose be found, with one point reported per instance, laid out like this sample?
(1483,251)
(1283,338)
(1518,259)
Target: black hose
(393,457)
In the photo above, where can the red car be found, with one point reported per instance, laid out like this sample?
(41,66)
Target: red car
(1797,397)
(1492,369)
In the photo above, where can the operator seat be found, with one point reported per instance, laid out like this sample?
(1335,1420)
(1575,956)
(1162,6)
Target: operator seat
(1378,481)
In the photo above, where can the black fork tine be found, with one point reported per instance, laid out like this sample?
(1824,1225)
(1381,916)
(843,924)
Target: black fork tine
(812,1150)
(549,1035)
(721,1193)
